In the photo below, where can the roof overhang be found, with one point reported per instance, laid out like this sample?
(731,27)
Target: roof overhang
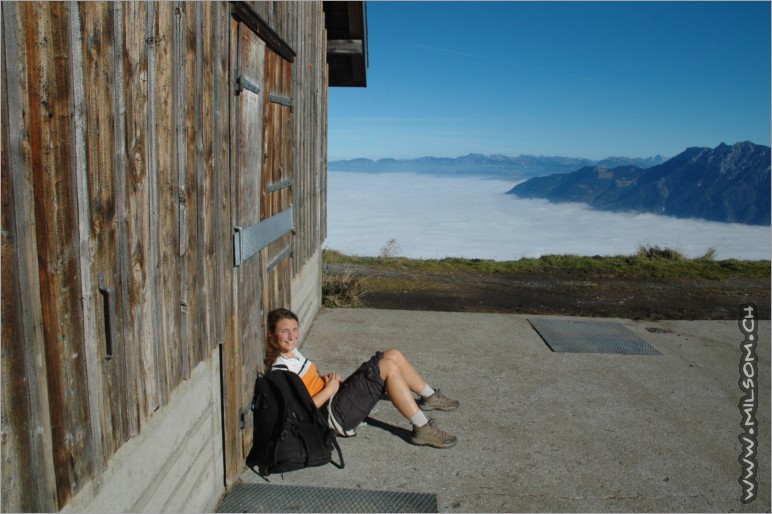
(346,24)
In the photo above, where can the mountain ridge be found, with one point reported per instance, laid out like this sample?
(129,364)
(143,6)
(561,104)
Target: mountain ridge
(726,183)
(493,166)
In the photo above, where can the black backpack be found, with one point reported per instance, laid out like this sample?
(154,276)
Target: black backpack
(289,431)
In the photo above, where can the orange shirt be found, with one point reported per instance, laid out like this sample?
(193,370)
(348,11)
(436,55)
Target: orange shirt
(306,369)
(312,380)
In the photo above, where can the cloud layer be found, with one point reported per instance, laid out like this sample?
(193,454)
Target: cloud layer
(434,217)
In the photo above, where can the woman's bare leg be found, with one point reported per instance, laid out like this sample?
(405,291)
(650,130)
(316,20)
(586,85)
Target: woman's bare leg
(402,380)
(413,380)
(398,388)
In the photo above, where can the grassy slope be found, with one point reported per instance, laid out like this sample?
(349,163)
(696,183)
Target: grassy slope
(649,262)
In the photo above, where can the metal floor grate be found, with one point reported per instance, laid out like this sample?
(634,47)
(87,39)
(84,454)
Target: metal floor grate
(583,336)
(295,498)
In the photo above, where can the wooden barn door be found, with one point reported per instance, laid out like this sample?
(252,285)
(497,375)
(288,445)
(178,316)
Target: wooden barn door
(261,179)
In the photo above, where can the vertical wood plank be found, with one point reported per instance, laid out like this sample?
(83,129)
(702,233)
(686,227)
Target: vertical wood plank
(156,342)
(56,222)
(323,144)
(268,131)
(219,259)
(205,289)
(99,83)
(171,347)
(197,96)
(139,307)
(220,256)
(188,243)
(28,476)
(129,370)
(231,347)
(98,414)
(288,145)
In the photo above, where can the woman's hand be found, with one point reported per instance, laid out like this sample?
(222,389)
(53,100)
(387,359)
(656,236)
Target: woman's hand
(331,382)
(331,376)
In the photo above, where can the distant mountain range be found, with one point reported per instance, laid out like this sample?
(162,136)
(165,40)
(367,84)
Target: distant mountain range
(492,166)
(726,183)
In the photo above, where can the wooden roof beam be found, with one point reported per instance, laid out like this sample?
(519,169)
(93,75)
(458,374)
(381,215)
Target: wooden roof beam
(345,47)
(346,25)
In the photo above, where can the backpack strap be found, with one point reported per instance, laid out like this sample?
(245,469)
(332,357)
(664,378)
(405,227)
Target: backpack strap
(296,383)
(340,453)
(258,383)
(256,391)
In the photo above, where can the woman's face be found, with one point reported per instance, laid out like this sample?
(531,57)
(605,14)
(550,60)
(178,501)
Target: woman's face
(286,336)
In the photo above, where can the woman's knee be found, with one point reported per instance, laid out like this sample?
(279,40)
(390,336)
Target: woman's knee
(395,355)
(388,367)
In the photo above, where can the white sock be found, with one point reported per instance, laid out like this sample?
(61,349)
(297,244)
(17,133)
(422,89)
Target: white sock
(419,419)
(427,392)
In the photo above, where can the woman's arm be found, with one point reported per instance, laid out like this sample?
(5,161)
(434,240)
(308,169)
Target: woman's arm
(331,385)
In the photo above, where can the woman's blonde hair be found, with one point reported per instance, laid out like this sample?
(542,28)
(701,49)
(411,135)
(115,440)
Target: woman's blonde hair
(272,350)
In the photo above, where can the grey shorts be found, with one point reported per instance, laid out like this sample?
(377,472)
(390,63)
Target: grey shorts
(359,393)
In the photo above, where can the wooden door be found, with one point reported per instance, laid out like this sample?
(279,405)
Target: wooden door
(261,180)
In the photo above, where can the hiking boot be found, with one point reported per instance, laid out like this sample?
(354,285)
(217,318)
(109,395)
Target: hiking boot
(437,401)
(430,435)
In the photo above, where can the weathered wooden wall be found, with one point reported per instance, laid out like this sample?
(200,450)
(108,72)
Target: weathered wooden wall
(301,24)
(118,218)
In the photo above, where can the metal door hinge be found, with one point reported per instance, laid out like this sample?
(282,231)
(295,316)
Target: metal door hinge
(248,241)
(281,100)
(243,83)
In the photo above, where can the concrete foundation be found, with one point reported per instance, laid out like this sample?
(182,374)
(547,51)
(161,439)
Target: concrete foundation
(307,292)
(175,464)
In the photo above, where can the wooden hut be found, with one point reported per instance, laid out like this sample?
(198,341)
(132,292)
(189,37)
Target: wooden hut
(163,187)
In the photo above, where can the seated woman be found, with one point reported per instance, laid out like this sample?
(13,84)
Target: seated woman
(346,403)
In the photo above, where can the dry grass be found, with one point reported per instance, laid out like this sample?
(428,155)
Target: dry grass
(647,262)
(342,288)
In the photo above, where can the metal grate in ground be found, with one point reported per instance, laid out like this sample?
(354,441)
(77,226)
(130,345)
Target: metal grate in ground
(587,336)
(295,498)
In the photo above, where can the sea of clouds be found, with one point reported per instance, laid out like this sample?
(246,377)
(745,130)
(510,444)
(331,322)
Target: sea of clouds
(433,217)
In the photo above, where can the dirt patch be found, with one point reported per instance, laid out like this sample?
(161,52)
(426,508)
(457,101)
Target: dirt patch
(564,294)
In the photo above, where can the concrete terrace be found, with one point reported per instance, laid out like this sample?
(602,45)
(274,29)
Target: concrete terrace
(541,431)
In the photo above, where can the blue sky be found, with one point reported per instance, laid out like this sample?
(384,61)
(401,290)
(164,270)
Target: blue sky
(577,79)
